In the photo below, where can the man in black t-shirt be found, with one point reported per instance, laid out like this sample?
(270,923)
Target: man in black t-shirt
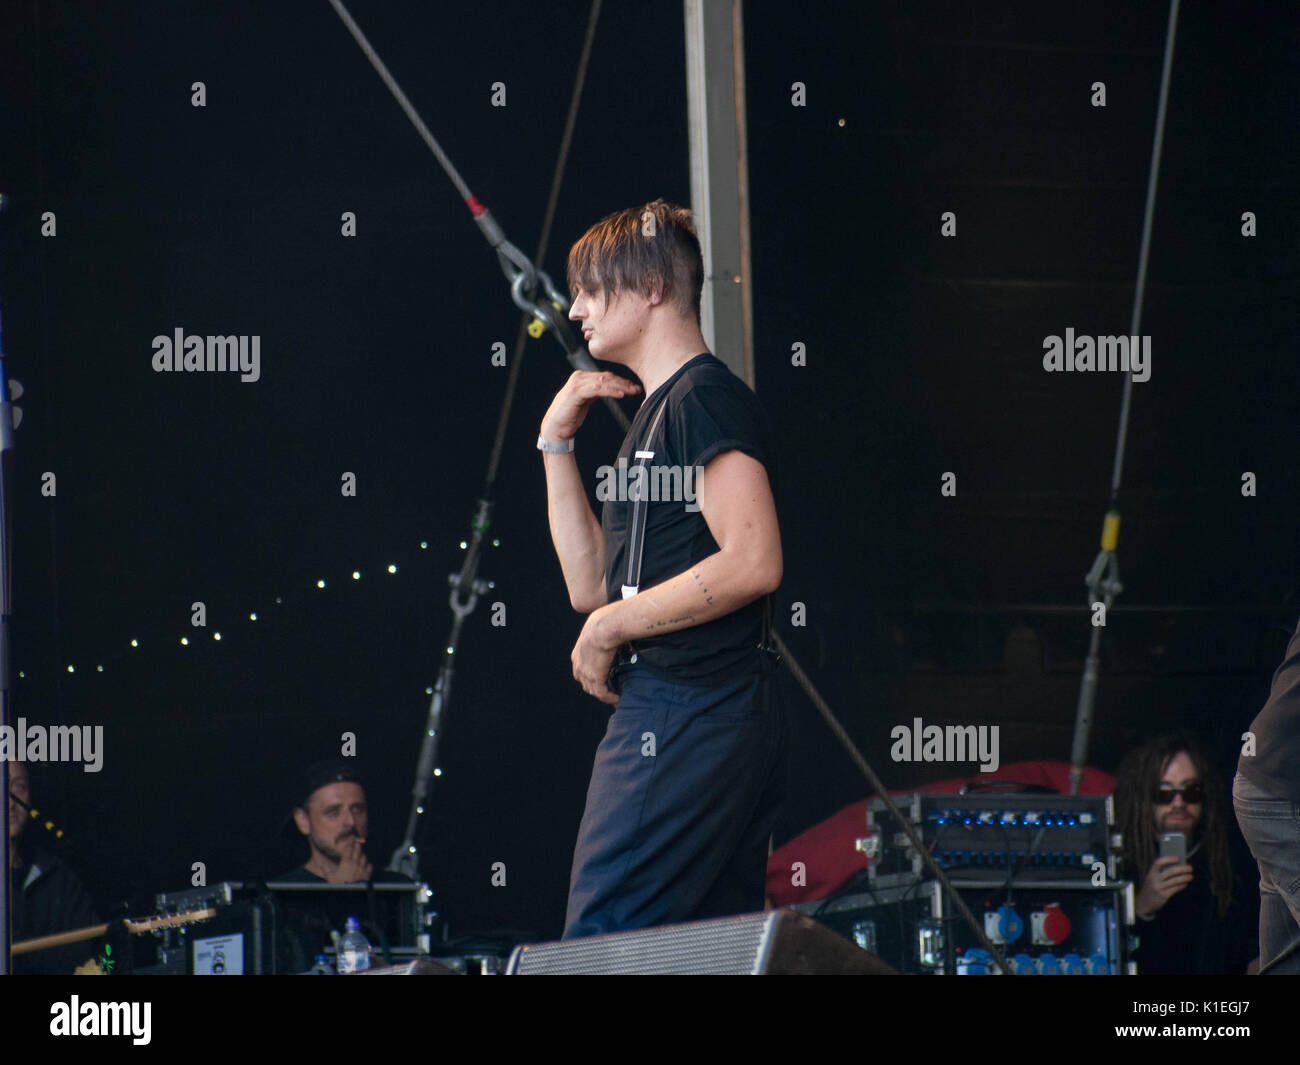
(1266,796)
(676,579)
(331,812)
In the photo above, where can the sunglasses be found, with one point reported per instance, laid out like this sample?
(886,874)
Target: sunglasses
(1193,793)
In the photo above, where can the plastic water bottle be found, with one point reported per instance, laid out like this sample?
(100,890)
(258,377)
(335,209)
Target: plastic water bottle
(354,949)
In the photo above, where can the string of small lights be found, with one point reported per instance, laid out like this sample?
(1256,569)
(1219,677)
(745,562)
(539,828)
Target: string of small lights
(147,639)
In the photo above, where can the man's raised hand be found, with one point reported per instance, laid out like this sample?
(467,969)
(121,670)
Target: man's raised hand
(353,863)
(569,408)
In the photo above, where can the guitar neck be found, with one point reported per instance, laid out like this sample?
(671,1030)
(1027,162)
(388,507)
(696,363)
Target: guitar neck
(79,935)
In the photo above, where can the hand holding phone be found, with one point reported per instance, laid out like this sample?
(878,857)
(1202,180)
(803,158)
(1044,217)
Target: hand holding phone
(1168,874)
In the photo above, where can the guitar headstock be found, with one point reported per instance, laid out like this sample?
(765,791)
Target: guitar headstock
(158,922)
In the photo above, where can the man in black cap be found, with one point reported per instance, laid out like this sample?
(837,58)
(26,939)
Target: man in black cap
(331,812)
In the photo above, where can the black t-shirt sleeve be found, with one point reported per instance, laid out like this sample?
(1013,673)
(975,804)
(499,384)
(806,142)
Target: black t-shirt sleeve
(711,419)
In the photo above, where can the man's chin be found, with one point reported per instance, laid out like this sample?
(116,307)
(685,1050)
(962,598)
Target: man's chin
(602,354)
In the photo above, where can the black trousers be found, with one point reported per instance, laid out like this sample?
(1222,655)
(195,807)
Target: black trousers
(683,797)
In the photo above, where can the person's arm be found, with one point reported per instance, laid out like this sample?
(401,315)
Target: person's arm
(575,531)
(736,502)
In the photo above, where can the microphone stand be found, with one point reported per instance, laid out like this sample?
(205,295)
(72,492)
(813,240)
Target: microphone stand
(405,859)
(1104,575)
(467,585)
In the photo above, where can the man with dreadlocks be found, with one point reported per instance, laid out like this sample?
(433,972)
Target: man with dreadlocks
(1193,916)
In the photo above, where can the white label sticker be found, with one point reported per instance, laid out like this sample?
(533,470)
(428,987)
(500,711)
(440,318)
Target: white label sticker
(219,956)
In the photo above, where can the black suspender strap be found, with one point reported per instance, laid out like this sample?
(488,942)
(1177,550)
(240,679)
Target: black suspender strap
(636,527)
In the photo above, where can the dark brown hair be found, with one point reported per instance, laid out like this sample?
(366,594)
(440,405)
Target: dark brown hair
(642,250)
(1138,775)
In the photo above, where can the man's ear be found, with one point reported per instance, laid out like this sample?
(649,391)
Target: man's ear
(656,296)
(302,821)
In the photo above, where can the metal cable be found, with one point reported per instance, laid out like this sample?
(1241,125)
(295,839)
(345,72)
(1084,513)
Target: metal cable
(513,262)
(1104,576)
(846,741)
(400,96)
(1148,218)
(557,177)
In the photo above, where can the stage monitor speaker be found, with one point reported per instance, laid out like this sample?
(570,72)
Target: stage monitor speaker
(773,943)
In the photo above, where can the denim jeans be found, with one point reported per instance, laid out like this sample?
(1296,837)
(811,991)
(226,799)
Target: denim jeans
(683,797)
(1272,828)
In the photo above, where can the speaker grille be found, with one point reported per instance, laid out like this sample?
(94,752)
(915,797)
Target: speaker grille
(733,946)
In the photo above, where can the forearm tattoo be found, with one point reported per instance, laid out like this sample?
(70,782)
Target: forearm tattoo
(685,619)
(704,589)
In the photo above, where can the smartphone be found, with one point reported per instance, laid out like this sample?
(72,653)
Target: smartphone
(1173,844)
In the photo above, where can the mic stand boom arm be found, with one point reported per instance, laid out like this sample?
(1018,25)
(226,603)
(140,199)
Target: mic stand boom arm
(406,859)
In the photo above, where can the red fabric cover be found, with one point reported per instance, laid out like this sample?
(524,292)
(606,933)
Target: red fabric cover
(826,849)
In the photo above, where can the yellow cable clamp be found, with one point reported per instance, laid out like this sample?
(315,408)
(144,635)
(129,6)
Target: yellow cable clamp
(538,325)
(1110,531)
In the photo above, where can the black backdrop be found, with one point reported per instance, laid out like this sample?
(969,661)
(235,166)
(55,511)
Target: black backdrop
(924,356)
